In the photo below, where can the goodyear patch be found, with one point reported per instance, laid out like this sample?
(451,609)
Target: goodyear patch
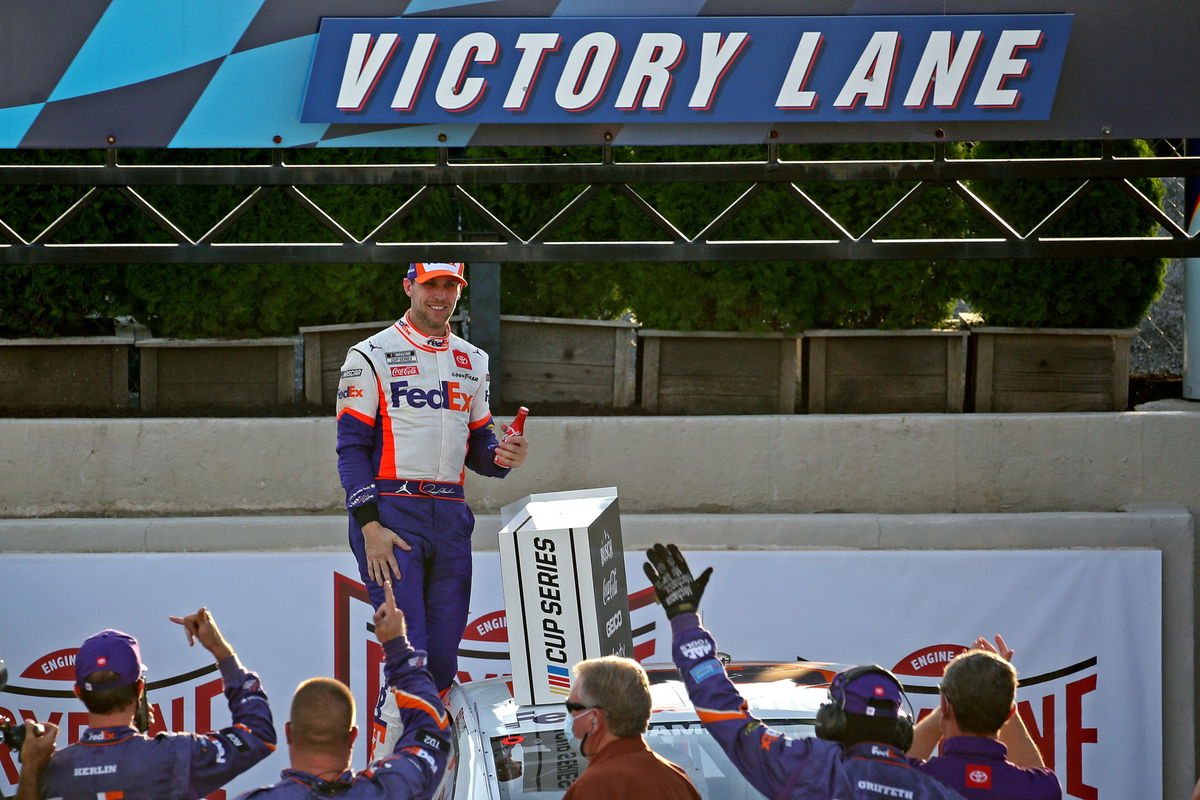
(705,670)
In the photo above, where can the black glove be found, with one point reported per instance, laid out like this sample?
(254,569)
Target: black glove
(677,590)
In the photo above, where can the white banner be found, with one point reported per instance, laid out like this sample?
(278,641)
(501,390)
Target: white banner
(1085,624)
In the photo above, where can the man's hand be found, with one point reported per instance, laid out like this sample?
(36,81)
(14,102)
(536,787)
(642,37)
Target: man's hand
(677,590)
(389,620)
(35,755)
(202,626)
(381,561)
(1000,649)
(512,452)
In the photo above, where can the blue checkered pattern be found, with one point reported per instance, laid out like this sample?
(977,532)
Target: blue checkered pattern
(224,73)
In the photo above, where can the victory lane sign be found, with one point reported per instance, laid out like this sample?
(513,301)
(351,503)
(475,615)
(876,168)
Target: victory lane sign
(686,69)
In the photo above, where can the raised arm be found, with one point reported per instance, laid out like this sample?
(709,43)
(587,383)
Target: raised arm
(219,756)
(415,766)
(754,748)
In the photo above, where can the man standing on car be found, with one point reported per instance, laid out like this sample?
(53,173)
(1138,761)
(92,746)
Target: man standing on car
(863,731)
(321,731)
(115,759)
(412,414)
(987,753)
(608,711)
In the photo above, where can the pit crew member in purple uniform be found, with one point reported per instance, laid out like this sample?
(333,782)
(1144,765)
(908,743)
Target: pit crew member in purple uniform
(987,752)
(113,758)
(321,732)
(862,732)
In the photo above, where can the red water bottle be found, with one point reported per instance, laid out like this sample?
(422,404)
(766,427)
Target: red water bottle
(515,428)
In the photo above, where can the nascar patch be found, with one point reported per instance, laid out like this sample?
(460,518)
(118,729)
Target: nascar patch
(705,670)
(401,357)
(351,373)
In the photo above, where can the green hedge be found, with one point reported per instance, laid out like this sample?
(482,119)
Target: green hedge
(761,296)
(59,301)
(265,300)
(1066,293)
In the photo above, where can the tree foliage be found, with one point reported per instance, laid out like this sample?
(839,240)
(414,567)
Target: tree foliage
(1075,293)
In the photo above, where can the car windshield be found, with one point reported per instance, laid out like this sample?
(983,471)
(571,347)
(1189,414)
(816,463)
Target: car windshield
(541,764)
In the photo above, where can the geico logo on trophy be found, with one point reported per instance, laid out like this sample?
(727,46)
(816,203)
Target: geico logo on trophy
(400,372)
(446,397)
(609,589)
(348,392)
(614,623)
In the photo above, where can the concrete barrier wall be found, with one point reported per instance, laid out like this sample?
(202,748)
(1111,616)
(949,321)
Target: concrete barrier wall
(971,463)
(900,482)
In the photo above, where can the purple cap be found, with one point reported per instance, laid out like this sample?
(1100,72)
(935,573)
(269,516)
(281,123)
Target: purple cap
(109,650)
(868,690)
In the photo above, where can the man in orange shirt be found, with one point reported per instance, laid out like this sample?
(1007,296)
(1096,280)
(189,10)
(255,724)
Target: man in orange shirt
(608,710)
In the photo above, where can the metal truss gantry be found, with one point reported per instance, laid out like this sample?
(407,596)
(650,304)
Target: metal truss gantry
(501,244)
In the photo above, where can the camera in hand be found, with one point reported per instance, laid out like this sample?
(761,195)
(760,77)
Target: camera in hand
(13,733)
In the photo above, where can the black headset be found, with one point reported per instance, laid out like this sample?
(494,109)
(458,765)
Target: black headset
(831,717)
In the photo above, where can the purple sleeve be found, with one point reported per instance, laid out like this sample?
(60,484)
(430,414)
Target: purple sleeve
(765,757)
(416,766)
(356,419)
(481,450)
(220,756)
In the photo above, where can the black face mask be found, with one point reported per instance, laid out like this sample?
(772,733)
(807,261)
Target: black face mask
(143,718)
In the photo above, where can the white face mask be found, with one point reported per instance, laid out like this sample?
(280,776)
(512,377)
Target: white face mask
(569,731)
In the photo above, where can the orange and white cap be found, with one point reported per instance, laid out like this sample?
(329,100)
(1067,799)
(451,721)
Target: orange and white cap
(424,272)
